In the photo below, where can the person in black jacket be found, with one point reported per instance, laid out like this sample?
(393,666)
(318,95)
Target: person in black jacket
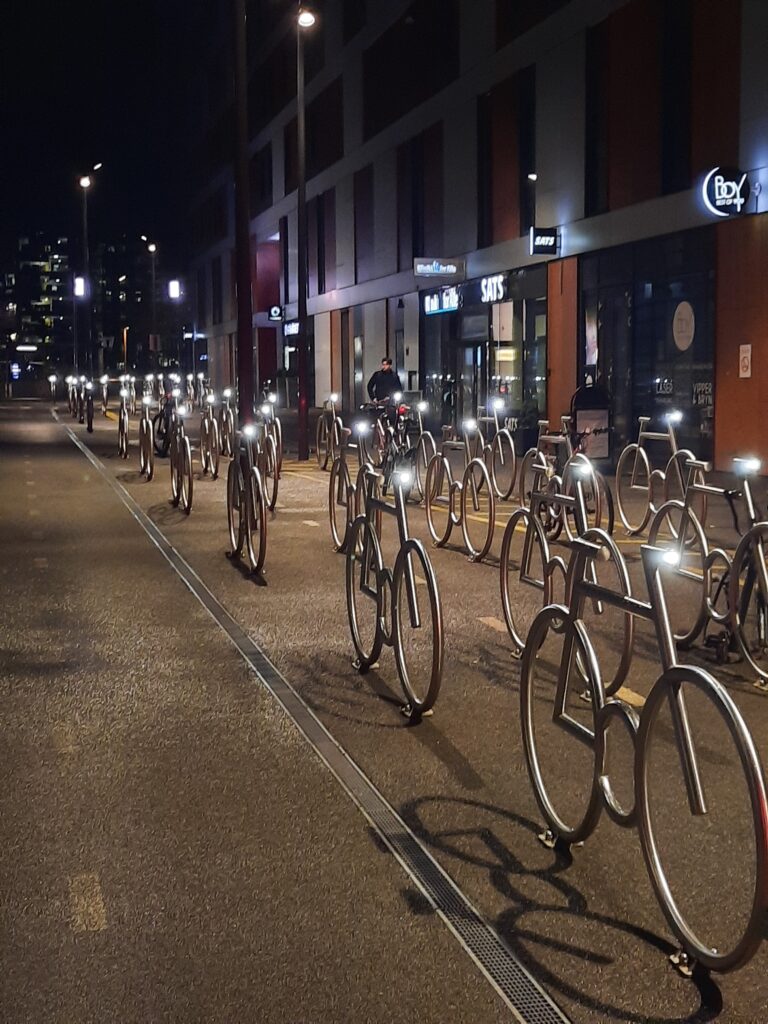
(384,382)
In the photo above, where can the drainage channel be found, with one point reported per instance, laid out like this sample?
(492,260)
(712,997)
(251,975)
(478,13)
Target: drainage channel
(516,986)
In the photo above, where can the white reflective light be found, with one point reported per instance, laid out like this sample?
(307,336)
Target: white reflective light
(403,477)
(210,399)
(272,397)
(200,376)
(181,411)
(583,469)
(175,393)
(398,396)
(498,403)
(147,399)
(362,428)
(190,377)
(470,425)
(434,376)
(52,379)
(249,430)
(334,398)
(133,380)
(104,379)
(82,379)
(671,557)
(675,416)
(174,289)
(89,386)
(227,392)
(266,409)
(748,465)
(423,406)
(123,392)
(149,377)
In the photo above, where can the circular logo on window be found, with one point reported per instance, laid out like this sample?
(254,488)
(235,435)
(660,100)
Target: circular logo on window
(683,326)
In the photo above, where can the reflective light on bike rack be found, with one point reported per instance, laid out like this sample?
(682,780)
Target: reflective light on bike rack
(272,397)
(149,377)
(581,469)
(190,377)
(397,396)
(266,409)
(249,430)
(89,386)
(123,392)
(334,398)
(147,399)
(675,416)
(747,465)
(498,404)
(227,392)
(210,399)
(470,425)
(175,393)
(52,379)
(362,428)
(200,376)
(82,379)
(104,379)
(422,406)
(403,477)
(181,411)
(671,557)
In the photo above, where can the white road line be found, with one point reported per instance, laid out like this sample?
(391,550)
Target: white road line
(309,522)
(86,904)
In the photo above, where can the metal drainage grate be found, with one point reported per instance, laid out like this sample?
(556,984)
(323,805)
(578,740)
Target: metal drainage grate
(510,978)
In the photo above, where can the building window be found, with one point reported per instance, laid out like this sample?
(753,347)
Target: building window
(364,243)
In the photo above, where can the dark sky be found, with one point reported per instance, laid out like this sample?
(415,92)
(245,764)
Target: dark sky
(89,80)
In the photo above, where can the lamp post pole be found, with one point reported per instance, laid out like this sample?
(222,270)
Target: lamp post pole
(305,19)
(85,184)
(242,225)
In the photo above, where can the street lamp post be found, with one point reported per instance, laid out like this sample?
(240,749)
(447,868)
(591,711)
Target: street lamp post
(85,183)
(152,250)
(305,19)
(245,396)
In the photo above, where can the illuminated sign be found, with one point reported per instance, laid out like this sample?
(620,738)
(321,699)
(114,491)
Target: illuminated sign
(543,241)
(174,289)
(291,328)
(444,301)
(79,287)
(724,191)
(423,266)
(493,289)
(275,312)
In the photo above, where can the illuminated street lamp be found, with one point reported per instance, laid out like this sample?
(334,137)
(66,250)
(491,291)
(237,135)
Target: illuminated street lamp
(305,19)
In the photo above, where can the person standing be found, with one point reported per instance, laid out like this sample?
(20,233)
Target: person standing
(384,382)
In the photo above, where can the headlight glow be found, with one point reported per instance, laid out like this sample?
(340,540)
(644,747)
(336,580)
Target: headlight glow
(249,430)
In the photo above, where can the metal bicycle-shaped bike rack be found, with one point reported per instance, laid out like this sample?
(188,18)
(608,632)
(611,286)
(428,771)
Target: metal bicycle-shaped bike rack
(146,439)
(549,706)
(467,492)
(384,605)
(246,501)
(210,445)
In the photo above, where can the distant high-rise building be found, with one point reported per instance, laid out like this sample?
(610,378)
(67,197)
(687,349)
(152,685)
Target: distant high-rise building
(41,294)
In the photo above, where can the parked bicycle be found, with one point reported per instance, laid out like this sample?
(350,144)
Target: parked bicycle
(400,607)
(328,433)
(246,502)
(227,425)
(566,748)
(636,482)
(146,439)
(122,424)
(180,453)
(210,448)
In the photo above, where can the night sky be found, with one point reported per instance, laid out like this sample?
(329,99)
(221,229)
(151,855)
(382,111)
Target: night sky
(82,81)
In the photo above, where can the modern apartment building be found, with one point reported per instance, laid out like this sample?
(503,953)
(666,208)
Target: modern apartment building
(506,196)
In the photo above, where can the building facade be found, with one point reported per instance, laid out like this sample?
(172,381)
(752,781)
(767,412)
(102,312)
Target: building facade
(506,197)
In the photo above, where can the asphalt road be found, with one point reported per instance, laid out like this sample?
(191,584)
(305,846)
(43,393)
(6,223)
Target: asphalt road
(176,852)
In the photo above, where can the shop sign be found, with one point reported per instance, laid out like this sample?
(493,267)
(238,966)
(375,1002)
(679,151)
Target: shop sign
(595,426)
(424,266)
(543,241)
(745,360)
(683,326)
(446,300)
(702,393)
(493,288)
(275,312)
(291,328)
(665,386)
(725,191)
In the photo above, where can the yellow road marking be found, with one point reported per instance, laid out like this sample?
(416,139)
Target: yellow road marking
(86,904)
(630,697)
(112,415)
(493,623)
(310,522)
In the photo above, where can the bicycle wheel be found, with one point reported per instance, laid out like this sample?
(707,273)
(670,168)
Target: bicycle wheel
(186,476)
(607,512)
(161,434)
(579,467)
(214,451)
(321,441)
(708,865)
(255,521)
(633,488)
(365,599)
(269,474)
(227,433)
(150,450)
(417,627)
(142,446)
(235,518)
(205,435)
(437,503)
(559,729)
(478,510)
(747,606)
(687,583)
(425,452)
(524,556)
(503,465)
(175,463)
(340,503)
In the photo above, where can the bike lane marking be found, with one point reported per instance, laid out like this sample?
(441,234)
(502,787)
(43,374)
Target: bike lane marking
(516,986)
